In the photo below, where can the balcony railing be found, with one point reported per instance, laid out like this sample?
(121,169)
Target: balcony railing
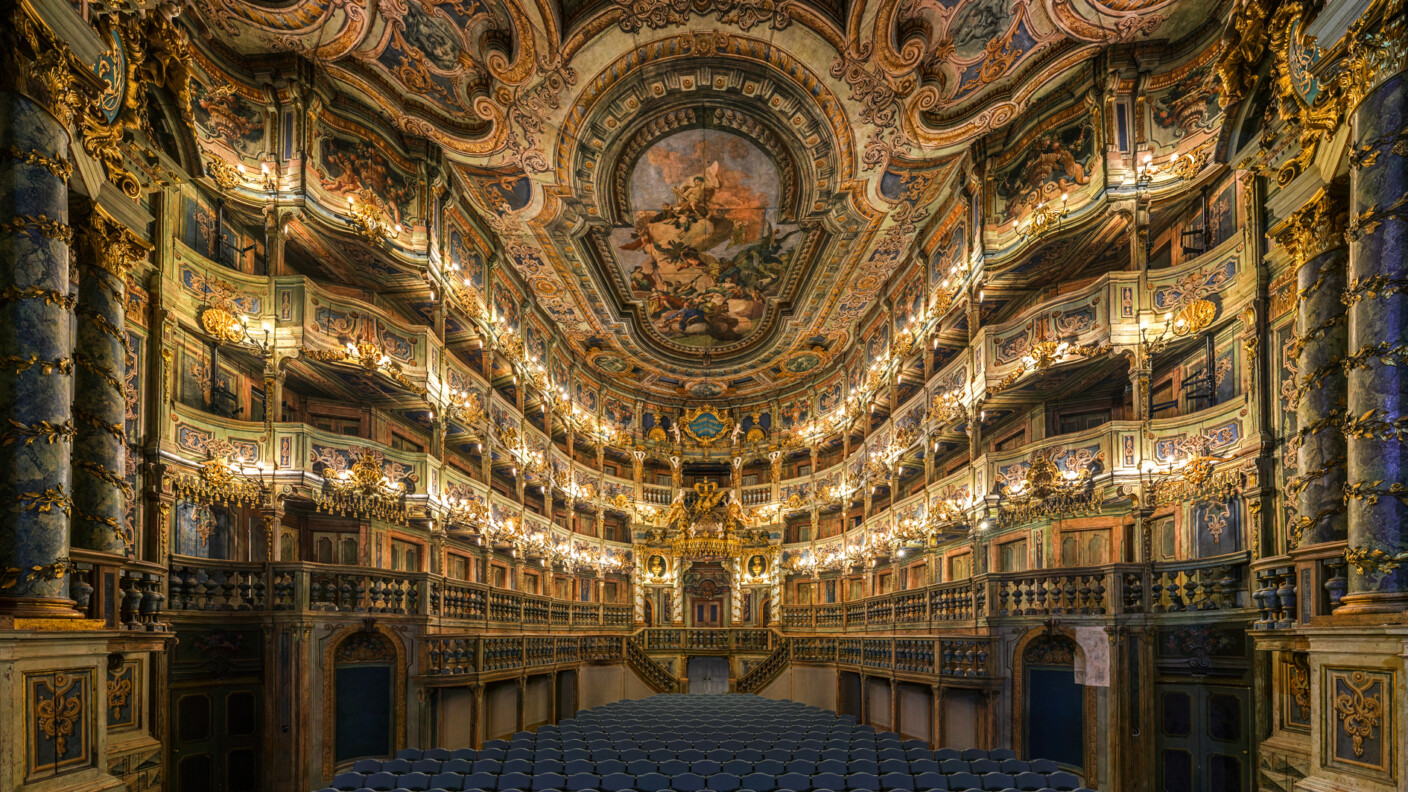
(1214,584)
(198,584)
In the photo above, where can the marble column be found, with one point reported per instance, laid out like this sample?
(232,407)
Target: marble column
(1377,429)
(106,252)
(1315,237)
(36,344)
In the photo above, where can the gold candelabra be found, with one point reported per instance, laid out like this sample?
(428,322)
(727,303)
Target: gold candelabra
(1194,479)
(370,357)
(1045,217)
(372,221)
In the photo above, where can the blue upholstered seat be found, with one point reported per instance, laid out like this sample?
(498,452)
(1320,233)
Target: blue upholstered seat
(964,781)
(580,781)
(687,782)
(413,781)
(771,767)
(897,781)
(549,781)
(349,780)
(1044,766)
(382,780)
(723,782)
(615,782)
(1002,753)
(931,780)
(1062,781)
(759,782)
(450,781)
(863,781)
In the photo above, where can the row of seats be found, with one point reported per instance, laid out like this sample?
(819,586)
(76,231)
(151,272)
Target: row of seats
(707,767)
(719,782)
(685,743)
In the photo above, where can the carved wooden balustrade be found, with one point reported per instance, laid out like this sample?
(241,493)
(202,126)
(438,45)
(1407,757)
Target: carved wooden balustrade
(1213,584)
(198,584)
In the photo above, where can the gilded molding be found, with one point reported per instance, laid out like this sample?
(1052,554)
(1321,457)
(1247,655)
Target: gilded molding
(62,169)
(1359,714)
(21,365)
(43,225)
(1313,229)
(103,372)
(14,294)
(110,246)
(30,433)
(116,430)
(44,502)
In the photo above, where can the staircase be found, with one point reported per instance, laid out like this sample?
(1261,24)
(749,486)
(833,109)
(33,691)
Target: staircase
(655,675)
(766,671)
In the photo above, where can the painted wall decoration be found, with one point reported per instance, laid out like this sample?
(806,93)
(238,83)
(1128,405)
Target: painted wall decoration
(1058,156)
(345,163)
(706,251)
(228,116)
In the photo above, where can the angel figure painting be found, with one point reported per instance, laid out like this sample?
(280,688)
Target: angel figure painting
(706,252)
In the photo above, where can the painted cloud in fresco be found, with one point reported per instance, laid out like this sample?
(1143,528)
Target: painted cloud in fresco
(705,253)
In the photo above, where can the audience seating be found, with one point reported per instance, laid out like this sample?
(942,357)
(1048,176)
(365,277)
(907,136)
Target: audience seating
(683,743)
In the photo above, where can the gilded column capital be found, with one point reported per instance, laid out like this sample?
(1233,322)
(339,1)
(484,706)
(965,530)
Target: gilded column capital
(110,245)
(37,63)
(1314,228)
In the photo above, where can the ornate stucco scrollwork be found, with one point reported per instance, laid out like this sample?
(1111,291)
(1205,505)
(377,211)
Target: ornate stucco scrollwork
(1359,713)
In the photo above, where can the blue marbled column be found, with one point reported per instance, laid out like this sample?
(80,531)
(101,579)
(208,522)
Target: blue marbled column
(1320,459)
(99,398)
(36,339)
(1378,314)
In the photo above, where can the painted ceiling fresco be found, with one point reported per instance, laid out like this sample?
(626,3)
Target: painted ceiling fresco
(703,197)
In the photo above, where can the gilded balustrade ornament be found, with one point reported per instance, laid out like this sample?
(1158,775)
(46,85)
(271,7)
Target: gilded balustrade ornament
(1047,492)
(368,355)
(363,490)
(1192,480)
(223,480)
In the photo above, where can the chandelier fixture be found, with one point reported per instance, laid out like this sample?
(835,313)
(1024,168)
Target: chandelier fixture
(372,221)
(1047,352)
(368,355)
(529,460)
(464,512)
(364,490)
(1047,492)
(223,479)
(841,492)
(1190,318)
(1047,216)
(814,561)
(229,328)
(1194,479)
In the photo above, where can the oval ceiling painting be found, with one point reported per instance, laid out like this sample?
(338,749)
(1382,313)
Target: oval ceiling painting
(705,255)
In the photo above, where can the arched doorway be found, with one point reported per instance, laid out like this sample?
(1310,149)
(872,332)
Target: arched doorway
(1055,713)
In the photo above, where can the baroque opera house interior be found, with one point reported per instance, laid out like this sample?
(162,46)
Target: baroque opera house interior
(703,395)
